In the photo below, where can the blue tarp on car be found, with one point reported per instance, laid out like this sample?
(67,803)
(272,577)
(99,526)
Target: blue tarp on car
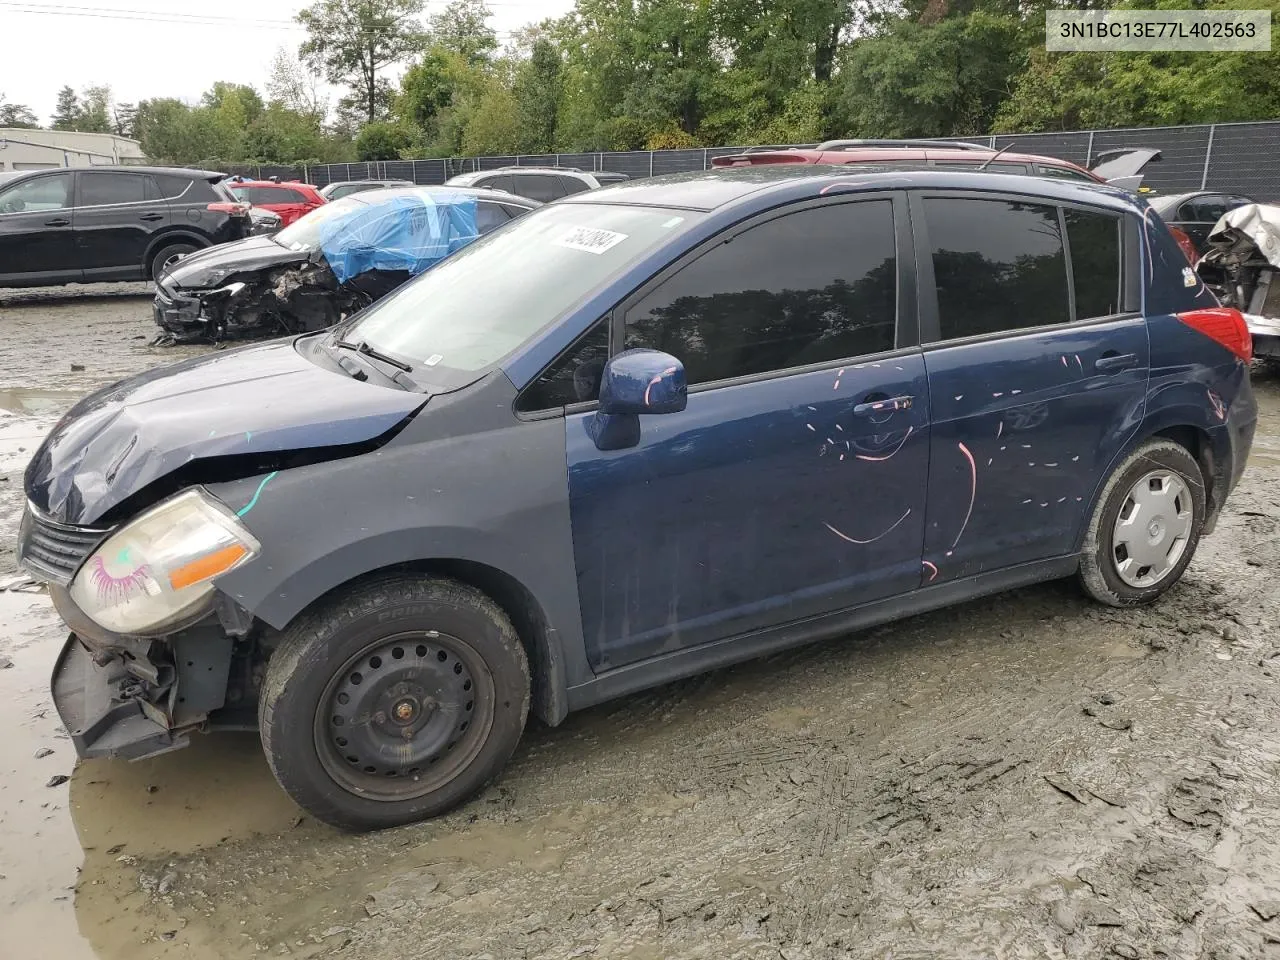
(401,231)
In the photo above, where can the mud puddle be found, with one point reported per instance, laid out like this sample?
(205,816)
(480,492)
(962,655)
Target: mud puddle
(70,885)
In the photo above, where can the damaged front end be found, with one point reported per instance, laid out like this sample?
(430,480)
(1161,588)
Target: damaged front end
(294,298)
(121,694)
(1241,266)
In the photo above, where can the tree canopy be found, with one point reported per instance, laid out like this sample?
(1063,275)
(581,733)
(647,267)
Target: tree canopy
(633,74)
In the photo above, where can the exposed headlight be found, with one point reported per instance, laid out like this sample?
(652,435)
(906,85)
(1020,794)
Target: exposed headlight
(157,571)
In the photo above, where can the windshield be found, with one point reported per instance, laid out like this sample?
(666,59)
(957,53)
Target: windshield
(475,307)
(304,233)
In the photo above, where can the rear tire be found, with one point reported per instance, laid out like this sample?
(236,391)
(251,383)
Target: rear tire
(168,255)
(1145,527)
(393,701)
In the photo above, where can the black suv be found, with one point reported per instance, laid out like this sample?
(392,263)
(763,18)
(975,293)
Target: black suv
(110,223)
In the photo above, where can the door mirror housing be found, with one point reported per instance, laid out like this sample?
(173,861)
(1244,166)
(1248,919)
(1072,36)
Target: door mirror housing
(643,381)
(636,382)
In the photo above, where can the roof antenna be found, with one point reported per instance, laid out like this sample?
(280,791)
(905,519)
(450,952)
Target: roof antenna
(994,155)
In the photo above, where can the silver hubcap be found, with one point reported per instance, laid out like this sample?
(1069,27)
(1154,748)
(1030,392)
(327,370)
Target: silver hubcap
(1153,529)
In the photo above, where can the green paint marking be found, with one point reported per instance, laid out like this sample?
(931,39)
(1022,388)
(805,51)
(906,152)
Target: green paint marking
(257,493)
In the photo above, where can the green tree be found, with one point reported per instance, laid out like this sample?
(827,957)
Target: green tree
(382,141)
(67,112)
(353,41)
(295,87)
(17,115)
(537,91)
(463,27)
(124,120)
(493,127)
(95,110)
(947,78)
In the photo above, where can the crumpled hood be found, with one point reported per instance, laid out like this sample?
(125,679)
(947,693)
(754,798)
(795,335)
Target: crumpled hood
(1257,222)
(211,266)
(256,400)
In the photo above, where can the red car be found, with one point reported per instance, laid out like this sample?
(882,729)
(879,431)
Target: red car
(289,200)
(945,154)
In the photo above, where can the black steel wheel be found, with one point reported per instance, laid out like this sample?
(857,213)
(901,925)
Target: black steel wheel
(393,701)
(403,716)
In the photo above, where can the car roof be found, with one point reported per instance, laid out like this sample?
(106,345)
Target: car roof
(130,168)
(272,183)
(343,183)
(480,193)
(764,186)
(899,154)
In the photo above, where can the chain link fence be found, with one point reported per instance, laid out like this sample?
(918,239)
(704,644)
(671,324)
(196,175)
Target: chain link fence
(1232,157)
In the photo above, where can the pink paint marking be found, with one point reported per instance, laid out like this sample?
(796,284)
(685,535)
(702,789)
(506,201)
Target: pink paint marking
(836,385)
(811,427)
(117,589)
(655,381)
(845,536)
(973,491)
(1014,392)
(933,571)
(996,396)
(1064,361)
(1050,464)
(863,456)
(839,183)
(1000,431)
(1078,363)
(1218,407)
(842,456)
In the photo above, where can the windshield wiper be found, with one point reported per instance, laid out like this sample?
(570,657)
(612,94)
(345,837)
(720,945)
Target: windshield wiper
(363,348)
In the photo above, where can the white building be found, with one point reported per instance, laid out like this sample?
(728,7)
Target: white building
(22,149)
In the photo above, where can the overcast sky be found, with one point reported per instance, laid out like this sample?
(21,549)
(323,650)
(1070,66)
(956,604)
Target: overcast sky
(166,48)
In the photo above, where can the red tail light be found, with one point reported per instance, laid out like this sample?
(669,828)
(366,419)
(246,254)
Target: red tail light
(1185,242)
(1225,325)
(235,209)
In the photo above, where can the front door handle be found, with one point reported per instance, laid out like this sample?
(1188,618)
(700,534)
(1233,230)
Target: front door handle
(59,222)
(152,217)
(869,407)
(1112,362)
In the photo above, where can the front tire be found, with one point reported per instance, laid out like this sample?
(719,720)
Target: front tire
(393,701)
(166,256)
(1145,527)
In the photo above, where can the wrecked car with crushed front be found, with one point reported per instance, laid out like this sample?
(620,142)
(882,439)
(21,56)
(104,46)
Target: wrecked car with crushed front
(637,434)
(1242,268)
(332,262)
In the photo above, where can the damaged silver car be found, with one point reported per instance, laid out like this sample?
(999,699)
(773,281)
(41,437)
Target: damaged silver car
(1242,268)
(326,266)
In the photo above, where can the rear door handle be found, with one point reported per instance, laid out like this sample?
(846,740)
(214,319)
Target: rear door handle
(1112,362)
(60,222)
(870,408)
(152,217)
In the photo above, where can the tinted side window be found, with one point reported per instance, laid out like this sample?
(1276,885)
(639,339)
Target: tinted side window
(1208,209)
(998,264)
(489,216)
(97,189)
(1094,240)
(537,186)
(172,187)
(42,193)
(1063,173)
(572,185)
(575,375)
(996,167)
(286,195)
(807,287)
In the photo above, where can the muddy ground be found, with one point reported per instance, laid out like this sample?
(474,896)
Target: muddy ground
(1028,775)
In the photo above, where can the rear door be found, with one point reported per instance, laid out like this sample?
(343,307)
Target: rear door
(116,215)
(793,484)
(36,239)
(1038,360)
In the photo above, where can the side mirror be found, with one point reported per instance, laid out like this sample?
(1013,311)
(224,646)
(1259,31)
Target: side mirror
(636,382)
(643,381)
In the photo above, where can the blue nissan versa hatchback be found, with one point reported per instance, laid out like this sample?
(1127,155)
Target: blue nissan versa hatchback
(639,433)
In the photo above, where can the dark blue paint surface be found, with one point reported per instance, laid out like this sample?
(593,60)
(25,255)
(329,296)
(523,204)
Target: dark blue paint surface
(1023,430)
(762,502)
(255,400)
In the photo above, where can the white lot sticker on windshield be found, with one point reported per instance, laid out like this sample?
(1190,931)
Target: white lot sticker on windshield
(432,360)
(673,222)
(590,239)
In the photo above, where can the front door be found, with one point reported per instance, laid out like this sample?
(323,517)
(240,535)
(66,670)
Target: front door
(116,216)
(36,240)
(1037,373)
(794,482)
